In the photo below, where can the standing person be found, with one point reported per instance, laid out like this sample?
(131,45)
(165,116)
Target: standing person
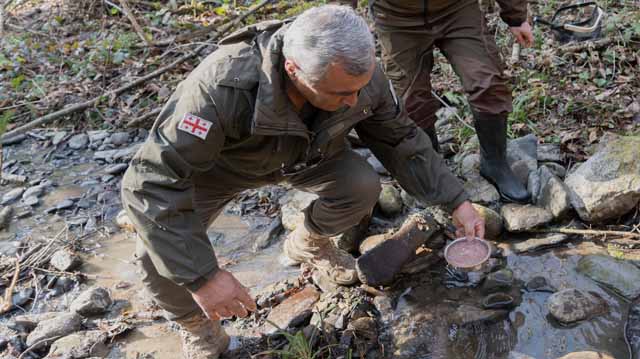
(409,30)
(274,103)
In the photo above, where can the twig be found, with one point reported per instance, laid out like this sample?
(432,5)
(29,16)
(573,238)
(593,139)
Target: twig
(451,108)
(8,295)
(136,121)
(113,5)
(134,22)
(36,344)
(592,232)
(89,103)
(515,52)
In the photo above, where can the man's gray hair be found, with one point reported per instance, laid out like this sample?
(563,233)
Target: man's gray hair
(329,34)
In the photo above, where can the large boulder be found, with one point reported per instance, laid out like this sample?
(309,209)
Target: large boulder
(608,184)
(49,330)
(620,276)
(551,193)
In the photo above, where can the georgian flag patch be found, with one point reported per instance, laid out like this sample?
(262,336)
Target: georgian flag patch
(195,125)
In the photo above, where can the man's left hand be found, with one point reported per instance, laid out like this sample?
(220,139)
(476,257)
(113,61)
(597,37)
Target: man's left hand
(523,34)
(467,221)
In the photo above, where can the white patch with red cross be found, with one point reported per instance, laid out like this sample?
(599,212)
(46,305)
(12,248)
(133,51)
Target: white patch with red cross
(195,125)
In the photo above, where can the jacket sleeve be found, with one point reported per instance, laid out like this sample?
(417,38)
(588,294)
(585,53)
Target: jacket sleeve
(513,12)
(405,150)
(157,190)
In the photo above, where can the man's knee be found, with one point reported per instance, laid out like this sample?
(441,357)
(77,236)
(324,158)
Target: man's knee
(494,98)
(363,186)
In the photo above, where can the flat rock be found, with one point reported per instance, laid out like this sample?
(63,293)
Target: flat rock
(14,140)
(31,201)
(124,154)
(536,180)
(12,195)
(93,301)
(65,260)
(116,169)
(268,235)
(572,305)
(293,210)
(28,322)
(64,204)
(467,314)
(78,142)
(620,276)
(79,345)
(34,191)
(518,218)
(492,220)
(586,355)
(549,152)
(607,185)
(58,137)
(97,136)
(533,244)
(61,325)
(390,201)
(293,311)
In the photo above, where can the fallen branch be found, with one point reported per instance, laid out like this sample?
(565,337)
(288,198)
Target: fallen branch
(138,120)
(7,302)
(589,232)
(134,22)
(586,45)
(89,103)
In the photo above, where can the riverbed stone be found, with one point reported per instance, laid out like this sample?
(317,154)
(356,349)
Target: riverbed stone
(119,138)
(532,244)
(5,216)
(58,137)
(116,169)
(493,222)
(556,169)
(61,325)
(65,260)
(11,196)
(124,154)
(79,345)
(620,276)
(468,314)
(498,280)
(93,301)
(607,185)
(78,142)
(549,152)
(34,191)
(572,305)
(554,197)
(525,149)
(519,218)
(587,355)
(26,323)
(390,201)
(293,210)
(293,311)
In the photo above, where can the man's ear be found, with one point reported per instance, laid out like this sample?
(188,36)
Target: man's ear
(291,68)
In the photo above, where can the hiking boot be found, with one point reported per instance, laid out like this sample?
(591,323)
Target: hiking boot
(492,134)
(302,246)
(202,338)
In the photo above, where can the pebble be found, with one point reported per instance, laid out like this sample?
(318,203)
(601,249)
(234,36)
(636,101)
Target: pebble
(78,142)
(61,325)
(293,311)
(116,169)
(65,260)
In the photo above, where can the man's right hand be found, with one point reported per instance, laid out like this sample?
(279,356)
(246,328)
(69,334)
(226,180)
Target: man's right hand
(223,296)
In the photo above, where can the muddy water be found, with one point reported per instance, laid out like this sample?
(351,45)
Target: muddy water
(423,321)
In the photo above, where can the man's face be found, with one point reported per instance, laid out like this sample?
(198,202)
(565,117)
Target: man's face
(336,89)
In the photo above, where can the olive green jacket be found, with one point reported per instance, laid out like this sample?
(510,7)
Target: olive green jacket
(256,133)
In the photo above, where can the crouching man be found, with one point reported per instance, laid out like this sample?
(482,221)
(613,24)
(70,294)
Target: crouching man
(272,104)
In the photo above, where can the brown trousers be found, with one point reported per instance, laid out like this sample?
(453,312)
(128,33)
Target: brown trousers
(463,38)
(347,188)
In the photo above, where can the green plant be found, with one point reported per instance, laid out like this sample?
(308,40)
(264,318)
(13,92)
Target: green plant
(4,122)
(299,346)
